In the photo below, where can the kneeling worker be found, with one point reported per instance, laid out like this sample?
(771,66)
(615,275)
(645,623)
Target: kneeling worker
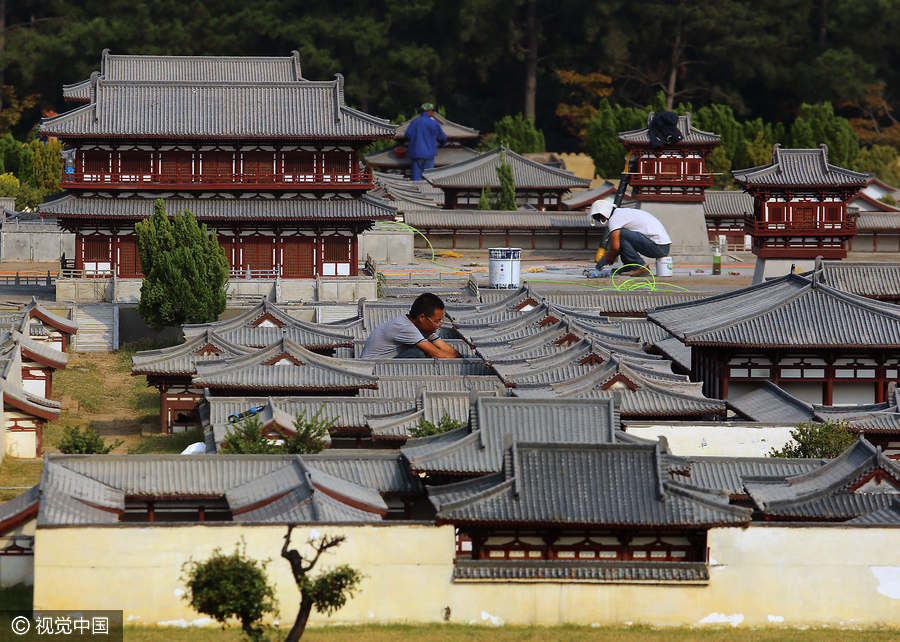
(631,233)
(417,329)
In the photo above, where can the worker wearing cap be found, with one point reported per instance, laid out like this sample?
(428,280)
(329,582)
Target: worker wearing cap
(631,233)
(424,134)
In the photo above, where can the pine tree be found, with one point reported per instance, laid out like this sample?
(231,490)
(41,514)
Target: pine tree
(506,197)
(186,273)
(486,201)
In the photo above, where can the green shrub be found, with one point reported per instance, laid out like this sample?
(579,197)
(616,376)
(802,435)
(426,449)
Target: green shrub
(445,424)
(231,586)
(817,440)
(89,442)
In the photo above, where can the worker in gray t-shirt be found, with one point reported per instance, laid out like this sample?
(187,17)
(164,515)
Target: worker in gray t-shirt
(417,329)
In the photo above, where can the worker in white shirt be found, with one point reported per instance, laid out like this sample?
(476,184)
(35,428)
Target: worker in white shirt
(631,233)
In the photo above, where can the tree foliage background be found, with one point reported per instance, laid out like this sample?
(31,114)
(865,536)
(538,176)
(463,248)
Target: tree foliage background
(762,63)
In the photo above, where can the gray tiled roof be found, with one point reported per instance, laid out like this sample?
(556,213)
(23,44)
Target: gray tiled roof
(33,313)
(827,493)
(201,68)
(183,358)
(882,222)
(770,403)
(428,367)
(482,172)
(886,516)
(383,470)
(448,155)
(691,135)
(495,220)
(592,485)
(675,350)
(727,204)
(251,318)
(315,371)
(219,208)
(17,506)
(790,311)
(872,279)
(798,167)
(405,387)
(454,131)
(78,91)
(581,199)
(71,485)
(618,303)
(726,474)
(544,420)
(216,109)
(580,571)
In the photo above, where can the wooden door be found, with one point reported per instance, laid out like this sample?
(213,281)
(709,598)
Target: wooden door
(257,252)
(258,167)
(129,263)
(300,167)
(218,167)
(298,258)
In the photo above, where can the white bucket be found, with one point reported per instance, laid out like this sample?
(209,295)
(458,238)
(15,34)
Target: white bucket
(664,266)
(503,266)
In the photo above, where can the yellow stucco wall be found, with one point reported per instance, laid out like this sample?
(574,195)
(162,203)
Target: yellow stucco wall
(759,576)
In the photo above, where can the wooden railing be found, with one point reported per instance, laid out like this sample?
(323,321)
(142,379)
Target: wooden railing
(238,273)
(781,228)
(661,178)
(28,278)
(360,178)
(85,274)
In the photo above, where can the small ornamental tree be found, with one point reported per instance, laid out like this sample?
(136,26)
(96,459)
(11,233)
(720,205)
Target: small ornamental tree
(46,165)
(89,442)
(185,270)
(827,439)
(506,197)
(231,586)
(328,591)
(486,201)
(247,438)
(425,428)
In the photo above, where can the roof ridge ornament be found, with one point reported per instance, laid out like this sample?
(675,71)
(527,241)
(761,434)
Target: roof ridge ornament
(295,55)
(95,82)
(338,96)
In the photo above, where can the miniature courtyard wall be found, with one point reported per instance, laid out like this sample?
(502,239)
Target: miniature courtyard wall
(34,241)
(790,575)
(17,556)
(386,245)
(715,438)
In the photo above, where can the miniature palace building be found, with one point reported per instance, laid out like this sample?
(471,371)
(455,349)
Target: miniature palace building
(266,158)
(799,207)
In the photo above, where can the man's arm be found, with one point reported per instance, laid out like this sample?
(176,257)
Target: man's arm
(438,349)
(613,253)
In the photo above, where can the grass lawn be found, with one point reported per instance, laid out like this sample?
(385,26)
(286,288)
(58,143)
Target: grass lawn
(97,390)
(455,632)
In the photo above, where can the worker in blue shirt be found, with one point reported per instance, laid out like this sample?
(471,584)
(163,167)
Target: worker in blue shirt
(424,134)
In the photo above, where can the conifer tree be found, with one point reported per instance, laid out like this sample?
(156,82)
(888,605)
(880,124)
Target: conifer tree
(486,201)
(185,270)
(506,197)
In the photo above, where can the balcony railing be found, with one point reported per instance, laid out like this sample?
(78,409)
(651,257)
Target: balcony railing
(660,178)
(357,179)
(813,228)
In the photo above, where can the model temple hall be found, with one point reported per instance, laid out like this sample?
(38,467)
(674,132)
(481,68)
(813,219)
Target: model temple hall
(609,457)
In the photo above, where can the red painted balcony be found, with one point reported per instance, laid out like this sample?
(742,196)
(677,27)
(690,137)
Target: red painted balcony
(799,228)
(357,179)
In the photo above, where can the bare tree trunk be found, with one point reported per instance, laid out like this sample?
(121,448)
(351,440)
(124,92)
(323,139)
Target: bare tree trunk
(299,627)
(2,47)
(823,23)
(677,54)
(531,58)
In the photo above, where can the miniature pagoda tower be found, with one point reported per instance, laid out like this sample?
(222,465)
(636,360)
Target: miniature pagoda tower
(267,158)
(799,209)
(670,181)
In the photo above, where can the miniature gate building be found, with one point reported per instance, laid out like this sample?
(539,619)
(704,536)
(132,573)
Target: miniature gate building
(670,182)
(799,209)
(268,159)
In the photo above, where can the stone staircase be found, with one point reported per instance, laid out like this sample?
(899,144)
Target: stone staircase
(98,327)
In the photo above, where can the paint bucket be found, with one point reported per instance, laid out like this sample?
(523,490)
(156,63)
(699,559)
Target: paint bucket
(503,266)
(664,266)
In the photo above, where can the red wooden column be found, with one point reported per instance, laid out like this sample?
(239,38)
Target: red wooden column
(279,251)
(354,258)
(79,251)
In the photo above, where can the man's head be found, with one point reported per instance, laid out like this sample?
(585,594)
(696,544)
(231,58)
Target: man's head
(429,107)
(600,212)
(426,313)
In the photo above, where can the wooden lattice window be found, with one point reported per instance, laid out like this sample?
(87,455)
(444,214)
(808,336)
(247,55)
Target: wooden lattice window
(96,249)
(337,167)
(257,252)
(258,166)
(337,249)
(95,162)
(300,167)
(133,165)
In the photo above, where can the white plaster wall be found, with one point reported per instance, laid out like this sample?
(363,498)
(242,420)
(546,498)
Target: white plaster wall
(716,439)
(797,576)
(849,393)
(21,444)
(34,242)
(16,569)
(863,242)
(387,246)
(810,392)
(685,224)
